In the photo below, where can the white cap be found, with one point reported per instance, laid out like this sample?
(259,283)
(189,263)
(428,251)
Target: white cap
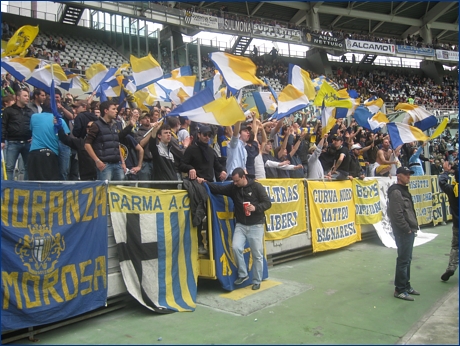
(356,146)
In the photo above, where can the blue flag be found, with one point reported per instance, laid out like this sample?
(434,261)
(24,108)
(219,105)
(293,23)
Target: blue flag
(223,226)
(54,251)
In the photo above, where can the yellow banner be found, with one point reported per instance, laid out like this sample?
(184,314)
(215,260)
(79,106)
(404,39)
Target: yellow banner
(367,201)
(287,215)
(332,215)
(420,189)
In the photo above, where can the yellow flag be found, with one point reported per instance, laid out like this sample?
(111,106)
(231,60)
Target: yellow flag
(327,92)
(439,130)
(21,40)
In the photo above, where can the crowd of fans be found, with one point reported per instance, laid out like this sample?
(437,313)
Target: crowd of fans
(291,147)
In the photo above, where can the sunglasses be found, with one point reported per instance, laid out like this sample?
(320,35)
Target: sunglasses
(207,134)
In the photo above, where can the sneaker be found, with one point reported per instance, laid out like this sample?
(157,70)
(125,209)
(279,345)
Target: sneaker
(239,281)
(404,296)
(255,287)
(202,250)
(413,292)
(446,276)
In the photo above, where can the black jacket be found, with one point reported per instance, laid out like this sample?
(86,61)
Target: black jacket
(448,189)
(80,122)
(16,123)
(253,192)
(198,197)
(86,165)
(194,159)
(401,210)
(163,162)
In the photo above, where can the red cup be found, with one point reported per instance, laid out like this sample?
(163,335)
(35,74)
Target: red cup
(246,205)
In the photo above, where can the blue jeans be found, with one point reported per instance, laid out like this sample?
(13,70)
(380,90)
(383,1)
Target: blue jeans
(12,151)
(254,234)
(146,171)
(405,244)
(64,161)
(112,171)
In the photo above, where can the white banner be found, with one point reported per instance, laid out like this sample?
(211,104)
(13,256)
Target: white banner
(383,227)
(370,47)
(202,20)
(446,55)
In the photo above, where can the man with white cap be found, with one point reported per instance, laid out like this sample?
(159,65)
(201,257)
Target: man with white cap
(404,223)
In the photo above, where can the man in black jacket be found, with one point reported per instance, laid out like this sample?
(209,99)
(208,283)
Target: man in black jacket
(200,159)
(451,190)
(86,166)
(16,133)
(250,202)
(404,224)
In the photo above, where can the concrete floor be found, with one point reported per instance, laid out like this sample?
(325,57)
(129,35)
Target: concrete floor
(337,297)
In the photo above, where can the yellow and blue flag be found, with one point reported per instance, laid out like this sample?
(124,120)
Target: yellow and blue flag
(42,77)
(367,120)
(291,100)
(265,102)
(300,78)
(157,246)
(402,133)
(417,116)
(20,68)
(97,73)
(237,71)
(146,70)
(318,82)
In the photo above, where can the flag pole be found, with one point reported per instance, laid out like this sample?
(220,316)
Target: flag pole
(4,167)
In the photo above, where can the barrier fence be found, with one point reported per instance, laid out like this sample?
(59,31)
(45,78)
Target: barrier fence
(63,243)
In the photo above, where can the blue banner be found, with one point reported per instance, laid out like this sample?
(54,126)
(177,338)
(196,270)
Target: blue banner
(54,251)
(415,50)
(223,226)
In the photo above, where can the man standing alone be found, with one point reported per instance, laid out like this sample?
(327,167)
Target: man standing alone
(250,203)
(404,224)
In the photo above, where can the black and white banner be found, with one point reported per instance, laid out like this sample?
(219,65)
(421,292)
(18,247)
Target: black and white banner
(370,47)
(324,40)
(235,25)
(277,32)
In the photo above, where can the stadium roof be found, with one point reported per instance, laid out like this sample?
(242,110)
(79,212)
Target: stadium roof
(396,19)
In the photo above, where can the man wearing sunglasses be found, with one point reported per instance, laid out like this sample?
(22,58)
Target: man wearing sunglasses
(201,161)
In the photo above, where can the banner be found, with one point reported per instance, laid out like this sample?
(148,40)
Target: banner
(332,215)
(420,189)
(54,251)
(240,26)
(446,55)
(370,47)
(437,200)
(277,32)
(324,40)
(201,20)
(223,226)
(287,215)
(414,50)
(367,202)
(157,246)
(383,227)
